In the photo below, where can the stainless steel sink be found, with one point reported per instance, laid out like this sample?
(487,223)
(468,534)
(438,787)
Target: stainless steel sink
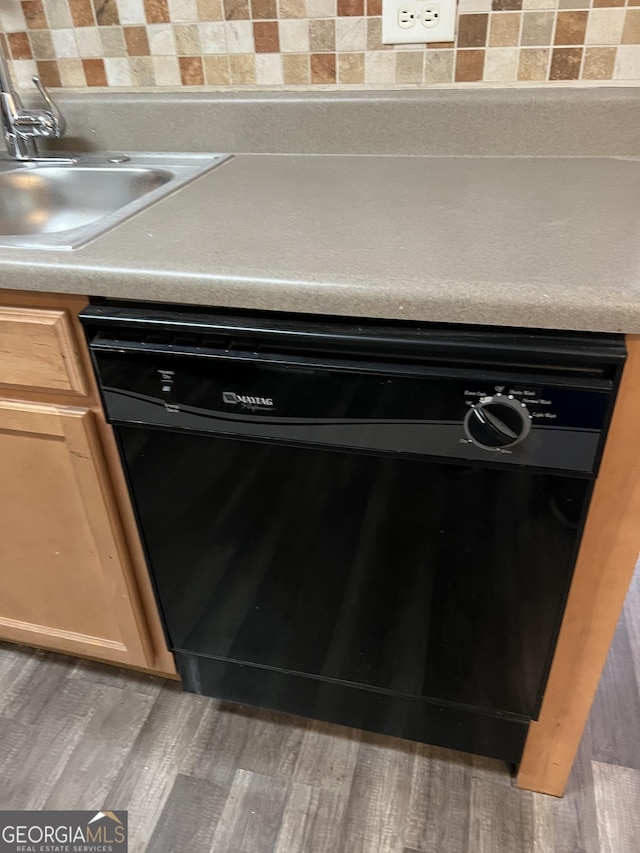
(54,206)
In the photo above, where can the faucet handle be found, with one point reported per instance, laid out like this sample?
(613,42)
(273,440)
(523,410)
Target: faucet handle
(60,122)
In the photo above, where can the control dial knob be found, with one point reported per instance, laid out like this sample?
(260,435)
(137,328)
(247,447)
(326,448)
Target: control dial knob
(496,422)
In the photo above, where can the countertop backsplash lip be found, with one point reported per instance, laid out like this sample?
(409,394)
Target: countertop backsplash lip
(298,44)
(507,121)
(335,93)
(517,85)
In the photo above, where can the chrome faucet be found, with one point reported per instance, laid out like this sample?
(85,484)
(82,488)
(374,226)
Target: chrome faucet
(22,127)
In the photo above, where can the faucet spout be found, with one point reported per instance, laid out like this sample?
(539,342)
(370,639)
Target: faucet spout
(22,127)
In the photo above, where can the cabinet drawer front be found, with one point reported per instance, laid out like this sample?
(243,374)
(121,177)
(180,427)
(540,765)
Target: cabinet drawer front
(38,350)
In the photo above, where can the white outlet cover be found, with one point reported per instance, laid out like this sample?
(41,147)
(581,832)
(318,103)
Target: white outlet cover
(418,22)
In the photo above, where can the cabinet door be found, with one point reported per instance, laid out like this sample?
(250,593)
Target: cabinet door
(65,582)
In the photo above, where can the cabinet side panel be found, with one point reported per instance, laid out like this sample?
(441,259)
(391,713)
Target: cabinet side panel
(604,569)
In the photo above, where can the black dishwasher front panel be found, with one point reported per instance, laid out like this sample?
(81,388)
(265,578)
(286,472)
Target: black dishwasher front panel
(325,537)
(408,577)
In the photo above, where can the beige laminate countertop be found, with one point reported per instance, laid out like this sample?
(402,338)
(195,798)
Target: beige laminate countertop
(536,242)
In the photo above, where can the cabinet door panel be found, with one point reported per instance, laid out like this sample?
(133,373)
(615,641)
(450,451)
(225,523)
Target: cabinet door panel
(64,576)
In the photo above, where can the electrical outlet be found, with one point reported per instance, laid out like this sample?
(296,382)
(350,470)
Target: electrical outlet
(406,16)
(416,22)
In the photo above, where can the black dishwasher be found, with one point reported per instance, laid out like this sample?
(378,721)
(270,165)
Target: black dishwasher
(372,524)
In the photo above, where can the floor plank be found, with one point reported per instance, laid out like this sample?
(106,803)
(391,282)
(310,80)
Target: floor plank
(379,798)
(273,744)
(189,817)
(32,773)
(617,699)
(101,751)
(252,815)
(617,794)
(215,749)
(127,679)
(632,618)
(13,659)
(327,757)
(438,814)
(311,821)
(143,784)
(575,828)
(30,686)
(15,742)
(500,819)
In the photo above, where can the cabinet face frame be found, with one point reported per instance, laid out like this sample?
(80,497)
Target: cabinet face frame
(74,427)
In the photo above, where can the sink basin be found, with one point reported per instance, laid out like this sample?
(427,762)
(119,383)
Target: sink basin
(53,206)
(54,199)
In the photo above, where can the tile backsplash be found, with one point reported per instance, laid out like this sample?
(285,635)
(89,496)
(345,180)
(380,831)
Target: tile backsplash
(310,43)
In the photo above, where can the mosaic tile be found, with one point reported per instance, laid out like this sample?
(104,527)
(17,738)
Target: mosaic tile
(309,43)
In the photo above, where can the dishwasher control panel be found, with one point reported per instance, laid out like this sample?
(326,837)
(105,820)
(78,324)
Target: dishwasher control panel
(462,394)
(544,425)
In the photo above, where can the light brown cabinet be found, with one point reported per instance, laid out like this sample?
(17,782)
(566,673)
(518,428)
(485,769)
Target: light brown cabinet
(72,575)
(63,577)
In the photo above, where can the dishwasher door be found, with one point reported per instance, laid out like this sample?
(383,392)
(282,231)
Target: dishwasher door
(407,576)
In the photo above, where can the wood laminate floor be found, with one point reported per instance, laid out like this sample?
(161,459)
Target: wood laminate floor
(197,775)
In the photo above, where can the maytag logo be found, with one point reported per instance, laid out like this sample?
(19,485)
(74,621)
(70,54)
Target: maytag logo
(247,401)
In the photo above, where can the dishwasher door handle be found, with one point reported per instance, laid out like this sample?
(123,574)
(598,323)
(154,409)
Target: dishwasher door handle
(316,361)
